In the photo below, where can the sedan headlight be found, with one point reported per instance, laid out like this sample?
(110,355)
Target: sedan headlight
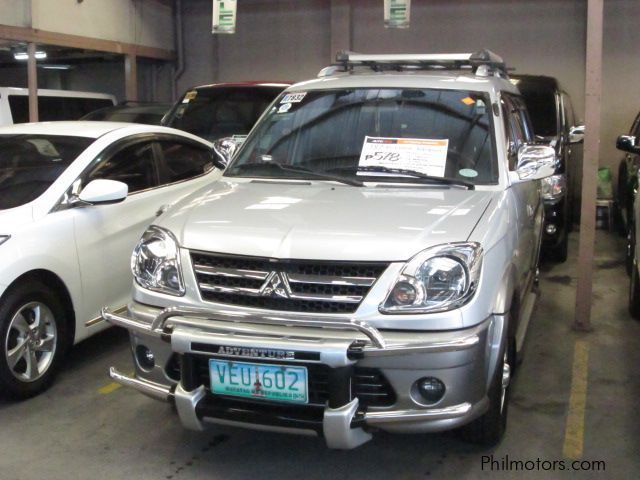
(4,238)
(155,262)
(554,187)
(435,280)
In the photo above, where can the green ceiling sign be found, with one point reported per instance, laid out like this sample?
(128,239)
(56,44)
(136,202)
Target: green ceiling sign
(224,16)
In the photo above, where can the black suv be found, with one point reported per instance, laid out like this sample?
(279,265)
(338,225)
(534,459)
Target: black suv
(222,109)
(553,122)
(628,183)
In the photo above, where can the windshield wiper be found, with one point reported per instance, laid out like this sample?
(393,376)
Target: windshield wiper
(297,170)
(410,173)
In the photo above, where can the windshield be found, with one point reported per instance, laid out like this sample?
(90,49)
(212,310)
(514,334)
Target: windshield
(218,112)
(29,164)
(369,132)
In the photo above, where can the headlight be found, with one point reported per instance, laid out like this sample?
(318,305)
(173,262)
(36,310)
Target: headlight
(435,280)
(554,187)
(155,262)
(4,238)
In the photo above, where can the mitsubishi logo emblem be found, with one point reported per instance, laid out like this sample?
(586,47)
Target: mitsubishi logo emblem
(276,285)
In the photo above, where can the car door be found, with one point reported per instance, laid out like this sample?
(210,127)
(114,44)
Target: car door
(107,234)
(527,194)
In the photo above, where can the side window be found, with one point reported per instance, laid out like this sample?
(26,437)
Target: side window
(568,111)
(133,165)
(516,128)
(635,129)
(182,161)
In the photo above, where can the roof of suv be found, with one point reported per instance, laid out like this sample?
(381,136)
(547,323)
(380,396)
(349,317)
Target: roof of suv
(445,79)
(479,71)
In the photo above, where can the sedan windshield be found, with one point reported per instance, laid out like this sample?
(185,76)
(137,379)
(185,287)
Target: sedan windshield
(29,164)
(375,135)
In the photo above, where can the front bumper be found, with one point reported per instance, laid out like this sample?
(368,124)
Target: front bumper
(556,225)
(464,360)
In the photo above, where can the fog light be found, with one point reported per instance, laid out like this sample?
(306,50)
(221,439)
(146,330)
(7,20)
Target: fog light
(145,357)
(403,294)
(551,229)
(431,389)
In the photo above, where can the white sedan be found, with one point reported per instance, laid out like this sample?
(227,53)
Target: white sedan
(74,199)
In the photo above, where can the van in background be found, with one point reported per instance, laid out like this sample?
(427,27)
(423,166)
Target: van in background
(52,104)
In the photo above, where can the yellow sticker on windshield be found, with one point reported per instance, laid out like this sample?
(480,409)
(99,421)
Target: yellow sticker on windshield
(189,96)
(468,101)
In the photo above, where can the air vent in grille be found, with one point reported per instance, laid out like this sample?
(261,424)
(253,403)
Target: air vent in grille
(285,285)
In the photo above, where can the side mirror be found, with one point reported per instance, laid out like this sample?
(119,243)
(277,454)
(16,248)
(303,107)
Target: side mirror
(101,191)
(535,162)
(627,143)
(576,134)
(223,151)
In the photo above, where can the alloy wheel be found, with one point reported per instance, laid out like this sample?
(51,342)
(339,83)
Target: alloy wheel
(30,342)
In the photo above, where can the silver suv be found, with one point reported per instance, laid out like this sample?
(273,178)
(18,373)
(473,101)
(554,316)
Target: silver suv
(367,262)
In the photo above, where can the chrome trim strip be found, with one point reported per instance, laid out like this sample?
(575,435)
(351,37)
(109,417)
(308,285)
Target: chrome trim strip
(153,390)
(252,292)
(321,297)
(230,272)
(417,415)
(328,280)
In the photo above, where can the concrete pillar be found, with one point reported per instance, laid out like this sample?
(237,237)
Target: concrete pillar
(593,94)
(131,77)
(32,82)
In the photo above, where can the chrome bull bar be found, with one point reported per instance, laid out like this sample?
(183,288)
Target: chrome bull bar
(377,345)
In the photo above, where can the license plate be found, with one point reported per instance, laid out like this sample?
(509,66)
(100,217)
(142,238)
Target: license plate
(258,380)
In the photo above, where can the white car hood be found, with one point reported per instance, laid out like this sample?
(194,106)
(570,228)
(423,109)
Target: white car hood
(317,220)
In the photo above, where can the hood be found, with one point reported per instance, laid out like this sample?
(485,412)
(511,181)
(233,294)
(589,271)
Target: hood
(317,220)
(13,218)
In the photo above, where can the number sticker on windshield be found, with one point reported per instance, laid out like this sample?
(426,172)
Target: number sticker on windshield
(293,97)
(420,155)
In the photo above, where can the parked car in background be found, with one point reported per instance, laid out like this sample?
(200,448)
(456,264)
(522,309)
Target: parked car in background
(74,199)
(132,112)
(631,145)
(52,104)
(222,109)
(553,120)
(367,261)
(628,186)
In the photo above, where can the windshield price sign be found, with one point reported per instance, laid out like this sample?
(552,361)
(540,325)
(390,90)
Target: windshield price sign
(420,155)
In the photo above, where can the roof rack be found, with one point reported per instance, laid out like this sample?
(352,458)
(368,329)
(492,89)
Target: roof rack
(489,61)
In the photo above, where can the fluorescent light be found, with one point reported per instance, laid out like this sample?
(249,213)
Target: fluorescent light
(40,55)
(55,67)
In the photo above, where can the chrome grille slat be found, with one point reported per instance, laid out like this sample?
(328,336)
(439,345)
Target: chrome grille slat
(326,280)
(227,272)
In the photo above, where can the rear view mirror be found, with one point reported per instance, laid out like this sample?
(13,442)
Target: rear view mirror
(627,143)
(535,162)
(576,134)
(104,192)
(223,151)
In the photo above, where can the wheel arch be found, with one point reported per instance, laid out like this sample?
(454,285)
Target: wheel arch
(54,282)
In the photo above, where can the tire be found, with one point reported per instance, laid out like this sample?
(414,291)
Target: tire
(634,292)
(489,429)
(32,338)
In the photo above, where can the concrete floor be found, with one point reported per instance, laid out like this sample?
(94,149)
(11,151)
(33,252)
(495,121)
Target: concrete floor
(81,430)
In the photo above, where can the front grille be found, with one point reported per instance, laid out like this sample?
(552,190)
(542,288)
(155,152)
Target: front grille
(368,384)
(284,285)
